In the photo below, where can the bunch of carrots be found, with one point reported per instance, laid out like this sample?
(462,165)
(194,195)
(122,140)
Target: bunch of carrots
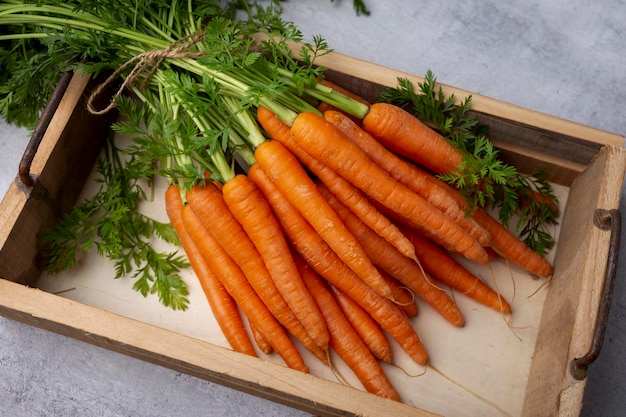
(337,222)
(333,232)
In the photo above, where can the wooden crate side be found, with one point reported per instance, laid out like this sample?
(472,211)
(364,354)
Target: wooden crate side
(559,169)
(526,146)
(384,76)
(58,122)
(591,289)
(60,168)
(62,164)
(193,356)
(548,143)
(24,219)
(570,310)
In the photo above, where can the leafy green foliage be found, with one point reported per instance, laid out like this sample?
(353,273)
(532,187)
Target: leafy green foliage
(111,222)
(537,213)
(277,47)
(483,178)
(359,7)
(483,175)
(29,72)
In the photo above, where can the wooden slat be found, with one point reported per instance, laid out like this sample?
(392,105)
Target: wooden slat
(383,76)
(570,310)
(540,140)
(530,161)
(60,168)
(194,357)
(529,147)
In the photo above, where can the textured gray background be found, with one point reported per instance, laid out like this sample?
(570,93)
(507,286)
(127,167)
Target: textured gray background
(565,58)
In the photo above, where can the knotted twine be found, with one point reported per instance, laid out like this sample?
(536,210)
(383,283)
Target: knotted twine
(147,61)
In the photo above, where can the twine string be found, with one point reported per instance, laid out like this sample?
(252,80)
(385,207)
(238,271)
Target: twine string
(149,62)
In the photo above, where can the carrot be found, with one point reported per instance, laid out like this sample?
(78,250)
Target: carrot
(317,253)
(404,134)
(239,288)
(281,166)
(347,193)
(260,340)
(326,143)
(446,269)
(404,296)
(535,196)
(407,173)
(222,304)
(252,211)
(504,242)
(511,247)
(365,326)
(493,255)
(403,269)
(208,204)
(347,343)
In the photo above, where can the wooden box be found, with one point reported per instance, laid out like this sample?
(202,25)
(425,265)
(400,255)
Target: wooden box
(587,166)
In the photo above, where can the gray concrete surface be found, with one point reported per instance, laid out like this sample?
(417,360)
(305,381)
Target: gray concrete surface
(565,58)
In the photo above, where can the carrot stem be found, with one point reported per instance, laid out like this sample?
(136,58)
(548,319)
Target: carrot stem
(332,97)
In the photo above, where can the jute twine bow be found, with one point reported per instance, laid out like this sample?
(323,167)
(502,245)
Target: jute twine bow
(146,61)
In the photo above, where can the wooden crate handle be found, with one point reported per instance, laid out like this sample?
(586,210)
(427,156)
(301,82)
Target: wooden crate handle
(606,220)
(40,130)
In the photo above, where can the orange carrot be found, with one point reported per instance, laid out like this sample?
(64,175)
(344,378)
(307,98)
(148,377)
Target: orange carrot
(493,255)
(407,173)
(404,134)
(365,326)
(208,204)
(326,143)
(317,253)
(404,296)
(239,288)
(405,270)
(347,193)
(252,211)
(262,343)
(446,269)
(222,304)
(511,247)
(535,196)
(347,343)
(504,242)
(284,170)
